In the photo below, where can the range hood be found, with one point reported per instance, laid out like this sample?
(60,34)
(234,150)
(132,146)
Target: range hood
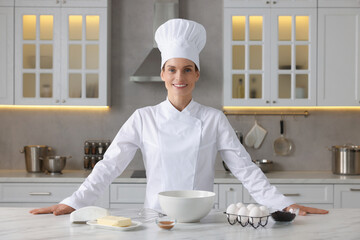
(149,70)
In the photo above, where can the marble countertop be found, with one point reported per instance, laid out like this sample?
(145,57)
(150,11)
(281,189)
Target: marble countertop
(18,224)
(78,176)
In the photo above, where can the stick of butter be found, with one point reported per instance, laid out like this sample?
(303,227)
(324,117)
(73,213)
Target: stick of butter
(114,221)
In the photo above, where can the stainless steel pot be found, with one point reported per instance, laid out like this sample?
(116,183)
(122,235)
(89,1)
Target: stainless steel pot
(33,157)
(346,159)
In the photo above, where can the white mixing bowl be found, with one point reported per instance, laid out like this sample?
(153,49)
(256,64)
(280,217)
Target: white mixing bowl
(186,206)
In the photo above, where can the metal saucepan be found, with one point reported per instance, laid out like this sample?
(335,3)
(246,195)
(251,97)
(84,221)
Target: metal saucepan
(282,146)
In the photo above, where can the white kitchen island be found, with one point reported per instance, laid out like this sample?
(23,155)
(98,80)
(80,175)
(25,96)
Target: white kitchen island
(17,223)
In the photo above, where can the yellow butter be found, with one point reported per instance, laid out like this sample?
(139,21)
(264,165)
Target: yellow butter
(114,221)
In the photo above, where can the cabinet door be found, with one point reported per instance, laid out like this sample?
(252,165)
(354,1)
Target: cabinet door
(347,196)
(228,194)
(270,3)
(84,56)
(246,57)
(84,3)
(37,55)
(304,194)
(338,3)
(38,3)
(6,55)
(293,57)
(338,61)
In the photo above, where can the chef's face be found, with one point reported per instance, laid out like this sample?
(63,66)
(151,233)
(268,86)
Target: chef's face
(180,76)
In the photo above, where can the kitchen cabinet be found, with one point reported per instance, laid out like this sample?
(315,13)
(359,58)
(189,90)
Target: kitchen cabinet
(132,195)
(270,54)
(127,195)
(338,3)
(338,54)
(61,53)
(228,194)
(41,194)
(312,195)
(347,196)
(6,52)
(270,3)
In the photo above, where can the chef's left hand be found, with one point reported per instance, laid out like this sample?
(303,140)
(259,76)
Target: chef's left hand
(305,210)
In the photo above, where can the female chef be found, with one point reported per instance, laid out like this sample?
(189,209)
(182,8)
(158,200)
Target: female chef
(178,138)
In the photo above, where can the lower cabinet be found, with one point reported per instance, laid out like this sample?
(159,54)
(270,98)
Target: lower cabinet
(228,194)
(312,195)
(347,196)
(132,195)
(41,194)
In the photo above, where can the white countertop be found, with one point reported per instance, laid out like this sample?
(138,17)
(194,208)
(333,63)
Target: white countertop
(18,224)
(78,176)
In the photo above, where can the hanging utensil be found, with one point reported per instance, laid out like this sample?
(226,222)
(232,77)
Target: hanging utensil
(282,146)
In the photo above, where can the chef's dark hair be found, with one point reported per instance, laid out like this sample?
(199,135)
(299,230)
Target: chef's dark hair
(163,67)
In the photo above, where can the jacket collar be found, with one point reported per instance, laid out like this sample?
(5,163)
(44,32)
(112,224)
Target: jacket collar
(190,109)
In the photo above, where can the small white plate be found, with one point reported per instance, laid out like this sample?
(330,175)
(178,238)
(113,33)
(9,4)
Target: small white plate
(134,224)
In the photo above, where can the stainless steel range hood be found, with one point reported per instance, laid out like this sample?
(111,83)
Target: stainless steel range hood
(149,70)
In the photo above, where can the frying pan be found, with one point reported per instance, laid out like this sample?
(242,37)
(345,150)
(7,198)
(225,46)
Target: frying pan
(282,146)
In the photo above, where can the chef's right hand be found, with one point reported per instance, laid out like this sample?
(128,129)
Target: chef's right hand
(58,209)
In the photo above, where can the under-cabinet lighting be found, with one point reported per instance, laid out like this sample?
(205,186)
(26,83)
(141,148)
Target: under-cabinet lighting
(302,108)
(46,107)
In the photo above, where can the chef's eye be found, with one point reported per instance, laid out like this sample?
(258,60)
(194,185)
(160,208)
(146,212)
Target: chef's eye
(187,70)
(171,70)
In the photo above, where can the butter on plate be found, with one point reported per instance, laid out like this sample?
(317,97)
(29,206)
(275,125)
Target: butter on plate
(114,221)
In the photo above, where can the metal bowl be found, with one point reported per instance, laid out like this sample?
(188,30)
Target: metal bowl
(54,164)
(264,164)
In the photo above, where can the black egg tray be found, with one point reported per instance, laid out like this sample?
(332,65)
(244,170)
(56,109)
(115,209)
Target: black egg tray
(255,222)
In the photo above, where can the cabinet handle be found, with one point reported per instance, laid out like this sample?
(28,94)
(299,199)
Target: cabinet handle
(274,2)
(267,101)
(231,189)
(57,101)
(292,194)
(354,189)
(64,1)
(57,1)
(40,193)
(63,101)
(267,2)
(274,101)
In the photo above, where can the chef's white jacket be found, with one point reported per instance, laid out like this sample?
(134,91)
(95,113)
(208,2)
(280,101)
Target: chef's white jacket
(179,151)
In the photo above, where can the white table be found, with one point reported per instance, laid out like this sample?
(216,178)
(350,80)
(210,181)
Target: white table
(17,223)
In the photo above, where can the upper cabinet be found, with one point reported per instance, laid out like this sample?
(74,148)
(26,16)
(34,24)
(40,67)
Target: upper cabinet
(270,3)
(61,52)
(339,53)
(6,52)
(270,54)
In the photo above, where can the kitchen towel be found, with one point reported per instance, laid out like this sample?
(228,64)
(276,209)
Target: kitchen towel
(255,136)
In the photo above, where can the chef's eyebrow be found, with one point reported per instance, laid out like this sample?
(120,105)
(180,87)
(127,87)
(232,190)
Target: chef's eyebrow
(170,66)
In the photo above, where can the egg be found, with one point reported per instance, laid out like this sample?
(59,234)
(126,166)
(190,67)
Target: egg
(239,205)
(232,209)
(243,212)
(250,206)
(255,215)
(264,211)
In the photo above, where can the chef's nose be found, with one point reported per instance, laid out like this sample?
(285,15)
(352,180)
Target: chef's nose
(179,75)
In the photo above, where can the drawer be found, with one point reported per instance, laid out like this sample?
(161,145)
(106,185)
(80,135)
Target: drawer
(36,192)
(302,193)
(127,193)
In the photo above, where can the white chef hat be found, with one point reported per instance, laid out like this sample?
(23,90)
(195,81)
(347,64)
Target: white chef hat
(180,38)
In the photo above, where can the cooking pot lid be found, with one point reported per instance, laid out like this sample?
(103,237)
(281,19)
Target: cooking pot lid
(346,147)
